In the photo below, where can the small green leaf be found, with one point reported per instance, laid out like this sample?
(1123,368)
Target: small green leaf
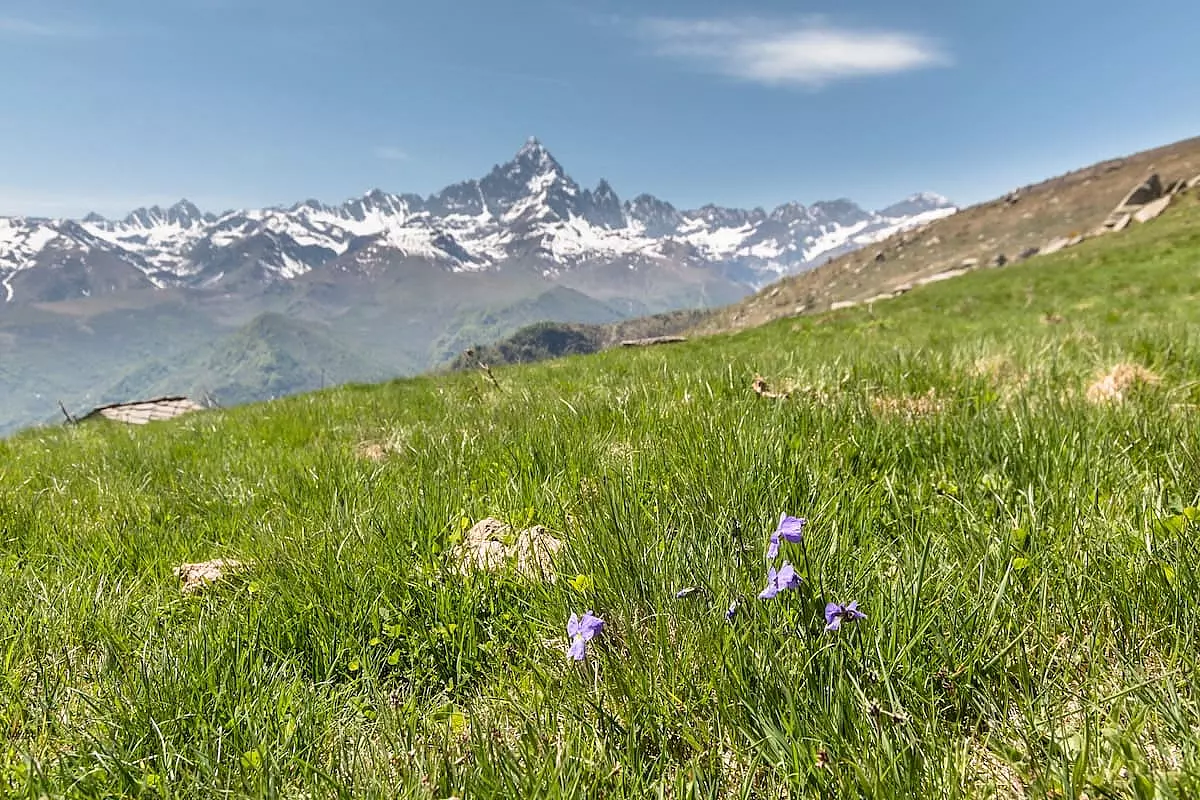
(354,666)
(1020,538)
(375,642)
(1173,525)
(1020,564)
(393,658)
(252,760)
(1168,574)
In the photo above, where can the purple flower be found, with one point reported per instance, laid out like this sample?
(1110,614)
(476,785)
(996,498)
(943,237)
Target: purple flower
(581,630)
(781,580)
(791,529)
(835,614)
(732,612)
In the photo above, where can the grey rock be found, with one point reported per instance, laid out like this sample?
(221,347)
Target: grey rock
(1152,210)
(1149,190)
(1056,244)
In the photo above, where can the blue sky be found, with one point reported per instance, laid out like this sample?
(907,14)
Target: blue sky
(106,106)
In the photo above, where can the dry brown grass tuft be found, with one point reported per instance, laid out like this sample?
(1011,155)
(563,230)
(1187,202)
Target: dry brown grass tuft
(372,451)
(908,406)
(195,577)
(1113,386)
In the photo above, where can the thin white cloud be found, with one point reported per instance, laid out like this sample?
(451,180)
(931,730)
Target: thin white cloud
(389,153)
(30,29)
(805,53)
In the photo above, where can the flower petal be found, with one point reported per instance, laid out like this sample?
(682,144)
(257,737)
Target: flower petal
(732,612)
(787,577)
(832,611)
(589,626)
(791,528)
(773,547)
(578,649)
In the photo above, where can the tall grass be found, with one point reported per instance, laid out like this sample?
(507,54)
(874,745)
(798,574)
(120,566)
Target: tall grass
(1027,562)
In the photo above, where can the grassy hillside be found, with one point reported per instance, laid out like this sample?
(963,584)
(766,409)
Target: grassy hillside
(558,305)
(1026,559)
(543,340)
(1001,229)
(270,356)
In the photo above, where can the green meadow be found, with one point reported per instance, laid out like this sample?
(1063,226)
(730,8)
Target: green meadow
(1024,548)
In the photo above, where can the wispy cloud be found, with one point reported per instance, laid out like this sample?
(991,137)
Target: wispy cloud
(807,52)
(389,153)
(14,27)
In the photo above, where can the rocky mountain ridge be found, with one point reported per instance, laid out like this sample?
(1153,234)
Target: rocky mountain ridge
(527,211)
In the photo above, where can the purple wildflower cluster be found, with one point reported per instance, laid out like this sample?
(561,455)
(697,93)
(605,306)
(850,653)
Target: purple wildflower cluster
(581,630)
(791,529)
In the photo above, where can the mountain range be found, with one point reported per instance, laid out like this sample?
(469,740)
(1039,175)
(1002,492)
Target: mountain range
(396,282)
(526,210)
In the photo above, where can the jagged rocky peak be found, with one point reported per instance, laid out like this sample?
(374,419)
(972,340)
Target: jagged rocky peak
(380,203)
(309,205)
(534,153)
(183,214)
(916,204)
(602,206)
(789,211)
(721,217)
(533,185)
(842,211)
(659,217)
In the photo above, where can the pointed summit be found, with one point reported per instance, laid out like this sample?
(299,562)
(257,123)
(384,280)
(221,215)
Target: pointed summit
(533,156)
(184,213)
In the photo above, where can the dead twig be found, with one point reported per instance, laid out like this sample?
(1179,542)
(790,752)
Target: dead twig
(487,371)
(70,419)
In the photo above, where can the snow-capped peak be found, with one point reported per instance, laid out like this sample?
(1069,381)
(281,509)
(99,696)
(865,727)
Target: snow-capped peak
(919,203)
